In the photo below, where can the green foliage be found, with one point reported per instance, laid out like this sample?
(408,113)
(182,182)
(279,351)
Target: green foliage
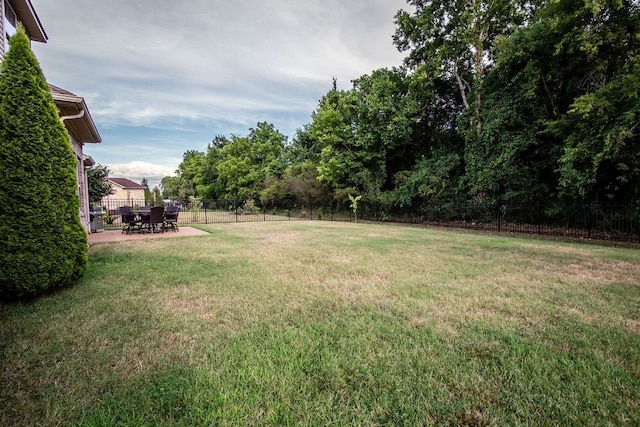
(511,160)
(195,206)
(300,182)
(249,207)
(454,39)
(600,126)
(148,196)
(189,172)
(43,245)
(354,205)
(364,134)
(97,182)
(497,100)
(156,195)
(602,145)
(331,128)
(569,85)
(170,186)
(108,218)
(303,148)
(430,180)
(239,167)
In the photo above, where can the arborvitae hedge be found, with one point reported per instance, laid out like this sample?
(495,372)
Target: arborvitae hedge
(43,245)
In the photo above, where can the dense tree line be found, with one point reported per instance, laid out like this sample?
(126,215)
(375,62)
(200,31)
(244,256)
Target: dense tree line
(496,100)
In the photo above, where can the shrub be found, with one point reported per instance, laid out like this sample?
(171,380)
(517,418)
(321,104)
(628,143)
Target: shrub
(43,245)
(249,207)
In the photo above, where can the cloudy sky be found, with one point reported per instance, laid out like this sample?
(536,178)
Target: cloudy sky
(162,77)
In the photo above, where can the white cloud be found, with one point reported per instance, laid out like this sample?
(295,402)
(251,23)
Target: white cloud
(137,170)
(207,67)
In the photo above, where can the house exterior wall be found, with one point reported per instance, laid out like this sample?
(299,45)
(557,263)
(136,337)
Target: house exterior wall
(124,197)
(83,187)
(23,12)
(3,45)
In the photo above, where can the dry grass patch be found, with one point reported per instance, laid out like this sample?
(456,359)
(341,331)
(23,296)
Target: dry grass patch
(282,240)
(320,323)
(203,306)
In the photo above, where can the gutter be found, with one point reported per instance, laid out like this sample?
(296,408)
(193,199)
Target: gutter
(73,116)
(86,129)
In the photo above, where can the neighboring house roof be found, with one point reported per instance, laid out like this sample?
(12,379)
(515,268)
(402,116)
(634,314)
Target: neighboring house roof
(27,15)
(126,183)
(75,113)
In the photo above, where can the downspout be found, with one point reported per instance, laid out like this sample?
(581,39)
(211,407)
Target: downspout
(73,116)
(83,210)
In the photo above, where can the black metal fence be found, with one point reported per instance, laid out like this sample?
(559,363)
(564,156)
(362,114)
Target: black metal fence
(213,211)
(581,221)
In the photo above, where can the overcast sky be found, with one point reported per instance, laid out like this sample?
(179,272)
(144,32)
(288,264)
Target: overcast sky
(162,77)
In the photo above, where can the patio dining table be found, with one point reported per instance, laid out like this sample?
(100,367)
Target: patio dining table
(143,220)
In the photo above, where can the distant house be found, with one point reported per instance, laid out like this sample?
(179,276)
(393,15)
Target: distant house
(72,109)
(126,193)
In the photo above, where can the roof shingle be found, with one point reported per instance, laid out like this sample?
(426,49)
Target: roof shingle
(125,183)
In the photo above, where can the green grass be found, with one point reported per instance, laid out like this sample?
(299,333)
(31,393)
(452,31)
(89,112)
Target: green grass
(318,323)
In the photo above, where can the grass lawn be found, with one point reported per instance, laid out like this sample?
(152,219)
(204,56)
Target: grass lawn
(318,323)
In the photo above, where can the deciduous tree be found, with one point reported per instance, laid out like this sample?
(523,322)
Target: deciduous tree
(456,38)
(97,182)
(239,167)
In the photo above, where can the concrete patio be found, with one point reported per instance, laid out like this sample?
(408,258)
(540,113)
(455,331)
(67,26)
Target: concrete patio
(119,236)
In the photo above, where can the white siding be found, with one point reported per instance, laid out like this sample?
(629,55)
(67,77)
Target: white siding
(3,45)
(83,188)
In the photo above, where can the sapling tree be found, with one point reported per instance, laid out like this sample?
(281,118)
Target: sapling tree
(354,205)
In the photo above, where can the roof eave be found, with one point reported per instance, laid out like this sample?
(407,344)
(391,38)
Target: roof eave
(29,18)
(86,130)
(124,186)
(95,137)
(88,161)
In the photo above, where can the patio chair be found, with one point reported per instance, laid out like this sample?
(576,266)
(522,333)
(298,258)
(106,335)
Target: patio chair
(144,212)
(154,221)
(129,220)
(144,215)
(171,217)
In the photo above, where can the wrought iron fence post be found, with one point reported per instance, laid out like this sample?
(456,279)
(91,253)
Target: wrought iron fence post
(465,213)
(539,217)
(589,219)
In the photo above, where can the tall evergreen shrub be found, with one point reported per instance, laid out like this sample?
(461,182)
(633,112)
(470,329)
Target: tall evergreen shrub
(43,245)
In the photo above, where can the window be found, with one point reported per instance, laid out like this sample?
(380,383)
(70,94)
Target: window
(10,20)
